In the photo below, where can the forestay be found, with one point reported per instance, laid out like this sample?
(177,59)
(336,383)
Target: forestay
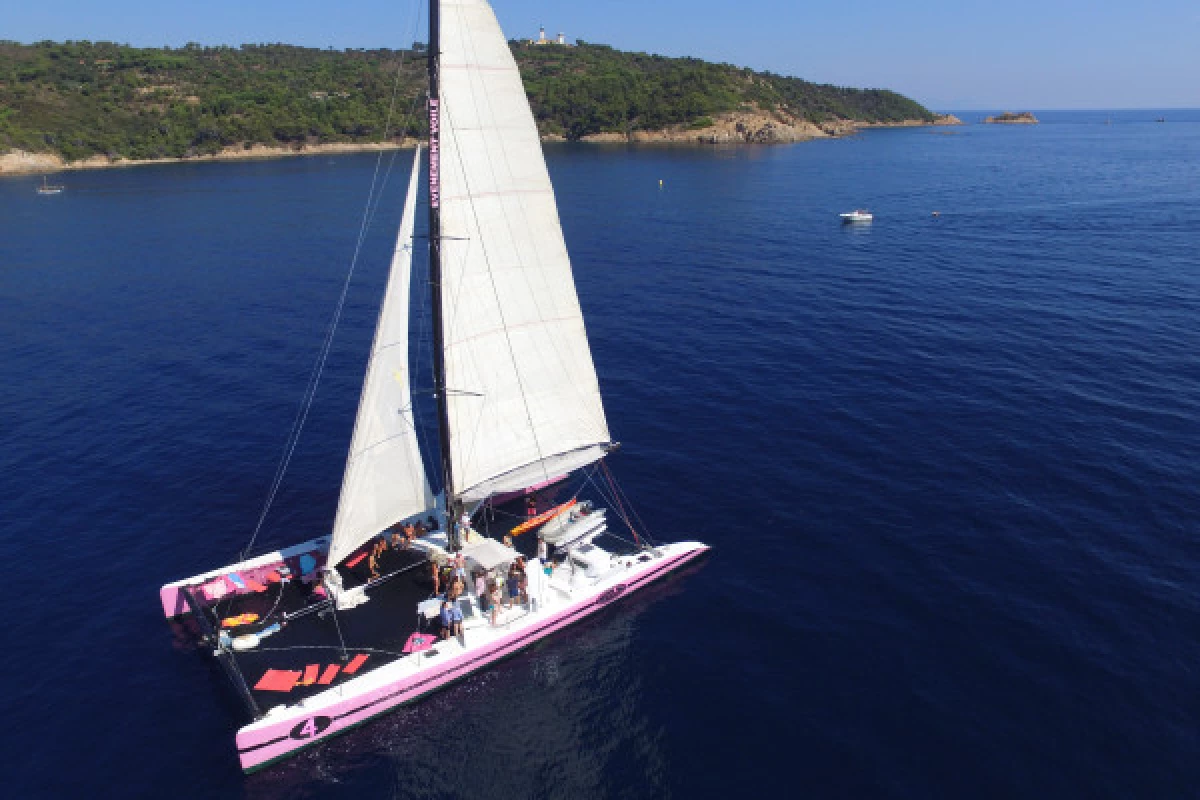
(385,480)
(523,401)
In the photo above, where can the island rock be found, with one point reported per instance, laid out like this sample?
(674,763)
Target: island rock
(1011,118)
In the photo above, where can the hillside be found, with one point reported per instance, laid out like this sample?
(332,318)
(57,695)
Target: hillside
(77,100)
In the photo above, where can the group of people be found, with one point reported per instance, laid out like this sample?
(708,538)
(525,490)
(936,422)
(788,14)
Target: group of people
(401,538)
(493,594)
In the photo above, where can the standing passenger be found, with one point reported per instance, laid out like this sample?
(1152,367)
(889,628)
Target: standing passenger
(494,591)
(447,618)
(514,585)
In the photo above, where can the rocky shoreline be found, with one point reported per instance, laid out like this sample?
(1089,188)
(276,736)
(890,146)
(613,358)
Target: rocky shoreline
(742,127)
(756,127)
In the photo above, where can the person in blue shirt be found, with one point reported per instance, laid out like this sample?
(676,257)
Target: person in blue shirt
(452,619)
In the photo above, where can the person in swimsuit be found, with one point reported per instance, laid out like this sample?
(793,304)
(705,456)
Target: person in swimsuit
(494,591)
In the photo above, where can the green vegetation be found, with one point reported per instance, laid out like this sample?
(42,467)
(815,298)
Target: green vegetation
(80,99)
(591,88)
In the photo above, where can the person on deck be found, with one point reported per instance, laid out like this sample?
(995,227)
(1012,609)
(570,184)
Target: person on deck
(483,592)
(437,583)
(522,580)
(494,591)
(543,549)
(514,585)
(447,618)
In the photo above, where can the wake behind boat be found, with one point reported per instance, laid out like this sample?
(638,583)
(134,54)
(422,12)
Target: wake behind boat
(413,591)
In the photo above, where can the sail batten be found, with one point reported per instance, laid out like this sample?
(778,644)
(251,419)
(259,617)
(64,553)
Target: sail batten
(524,400)
(385,480)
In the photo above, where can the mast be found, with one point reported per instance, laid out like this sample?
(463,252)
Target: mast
(435,272)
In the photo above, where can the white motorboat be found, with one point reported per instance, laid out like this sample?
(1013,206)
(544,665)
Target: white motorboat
(857,215)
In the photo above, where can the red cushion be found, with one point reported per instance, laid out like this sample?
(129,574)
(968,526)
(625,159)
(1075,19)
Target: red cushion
(277,680)
(355,663)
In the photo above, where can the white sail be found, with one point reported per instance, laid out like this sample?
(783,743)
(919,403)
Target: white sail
(385,480)
(523,401)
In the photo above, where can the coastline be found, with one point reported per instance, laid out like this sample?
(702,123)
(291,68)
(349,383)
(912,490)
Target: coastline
(731,128)
(21,162)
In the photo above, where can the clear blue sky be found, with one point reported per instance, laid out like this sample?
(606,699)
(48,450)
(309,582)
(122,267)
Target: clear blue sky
(1011,54)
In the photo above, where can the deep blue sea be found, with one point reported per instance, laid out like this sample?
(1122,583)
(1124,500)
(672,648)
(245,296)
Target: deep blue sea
(949,467)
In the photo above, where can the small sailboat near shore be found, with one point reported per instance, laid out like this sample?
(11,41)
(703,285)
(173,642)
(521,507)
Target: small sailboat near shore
(49,188)
(412,590)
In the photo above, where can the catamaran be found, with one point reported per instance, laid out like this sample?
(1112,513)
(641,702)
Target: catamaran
(322,636)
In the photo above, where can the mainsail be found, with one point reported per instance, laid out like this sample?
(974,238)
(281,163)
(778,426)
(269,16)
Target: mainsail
(523,401)
(385,479)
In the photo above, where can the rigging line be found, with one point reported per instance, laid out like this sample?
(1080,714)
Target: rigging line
(338,625)
(617,496)
(323,354)
(620,512)
(261,649)
(629,502)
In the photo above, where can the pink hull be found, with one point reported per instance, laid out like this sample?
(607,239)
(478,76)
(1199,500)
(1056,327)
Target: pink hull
(265,745)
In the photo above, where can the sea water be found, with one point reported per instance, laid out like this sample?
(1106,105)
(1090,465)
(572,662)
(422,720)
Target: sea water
(949,467)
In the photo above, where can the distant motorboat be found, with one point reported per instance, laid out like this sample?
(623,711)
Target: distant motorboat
(49,188)
(1161,119)
(857,215)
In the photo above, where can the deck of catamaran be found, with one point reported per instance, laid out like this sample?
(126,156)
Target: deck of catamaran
(304,658)
(296,631)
